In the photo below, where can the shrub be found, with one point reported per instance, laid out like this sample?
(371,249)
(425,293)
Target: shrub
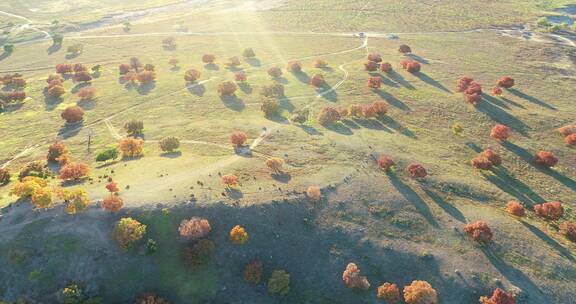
(238,235)
(238,138)
(273,90)
(550,211)
(113,203)
(420,292)
(112,187)
(275,164)
(352,278)
(87,93)
(411,66)
(108,154)
(18,82)
(355,110)
(240,76)
(378,108)
(328,116)
(496,91)
(319,63)
(78,67)
(253,272)
(317,81)
(386,67)
(54,78)
(479,231)
(76,200)
(233,62)
(385,162)
(13,96)
(64,68)
(135,63)
(389,293)
(151,298)
(515,208)
(131,147)
(134,127)
(149,67)
(294,67)
(489,155)
(568,229)
(505,82)
(343,111)
(191,75)
(546,159)
(169,42)
(227,88)
(82,76)
(473,99)
(279,282)
(230,180)
(199,254)
(567,130)
(208,58)
(570,139)
(74,171)
(374,82)
(498,297)
(375,57)
(275,72)
(249,53)
(417,171)
(131,77)
(169,144)
(72,114)
(270,107)
(36,169)
(481,163)
(195,228)
(146,76)
(56,151)
(173,62)
(404,49)
(500,132)
(4,176)
(300,116)
(56,90)
(123,69)
(314,193)
(371,66)
(42,197)
(27,186)
(128,231)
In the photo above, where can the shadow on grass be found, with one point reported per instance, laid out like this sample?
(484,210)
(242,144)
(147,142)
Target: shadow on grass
(446,206)
(245,87)
(495,101)
(529,158)
(394,125)
(372,124)
(278,119)
(414,198)
(86,104)
(531,99)
(286,104)
(54,48)
(146,88)
(310,130)
(393,101)
(302,76)
(212,67)
(327,93)
(255,62)
(233,102)
(234,193)
(399,79)
(5,55)
(340,128)
(503,117)
(282,177)
(418,58)
(70,130)
(504,180)
(197,89)
(550,241)
(173,154)
(431,81)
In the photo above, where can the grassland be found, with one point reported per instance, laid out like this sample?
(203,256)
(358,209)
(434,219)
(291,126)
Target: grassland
(395,228)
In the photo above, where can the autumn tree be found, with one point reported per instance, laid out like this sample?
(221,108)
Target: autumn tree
(497,91)
(27,186)
(238,138)
(238,235)
(249,53)
(87,93)
(146,76)
(389,292)
(568,229)
(570,139)
(352,278)
(411,66)
(43,197)
(173,62)
(505,82)
(57,153)
(151,298)
(471,89)
(128,231)
(371,66)
(546,159)
(253,272)
(375,57)
(82,76)
(4,176)
(227,88)
(124,68)
(199,253)
(328,116)
(515,208)
(318,81)
(191,75)
(374,82)
(385,162)
(550,211)
(270,107)
(320,63)
(112,187)
(294,67)
(208,58)
(113,203)
(78,67)
(404,49)
(420,292)
(55,89)
(233,61)
(131,147)
(500,132)
(149,67)
(36,169)
(169,144)
(386,67)
(275,72)
(275,164)
(64,68)
(567,130)
(240,76)
(417,171)
(72,114)
(479,231)
(75,200)
(74,171)
(230,181)
(135,64)
(279,282)
(486,159)
(194,228)
(134,127)
(498,297)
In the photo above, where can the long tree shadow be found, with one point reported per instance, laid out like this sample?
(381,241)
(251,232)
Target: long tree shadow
(286,104)
(54,48)
(310,130)
(328,93)
(197,89)
(512,102)
(550,241)
(502,179)
(494,101)
(418,58)
(414,198)
(146,88)
(233,102)
(400,80)
(446,206)
(503,117)
(394,125)
(529,158)
(340,128)
(5,55)
(351,124)
(371,124)
(393,101)
(212,67)
(245,87)
(255,62)
(70,130)
(516,277)
(531,99)
(302,76)
(431,81)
